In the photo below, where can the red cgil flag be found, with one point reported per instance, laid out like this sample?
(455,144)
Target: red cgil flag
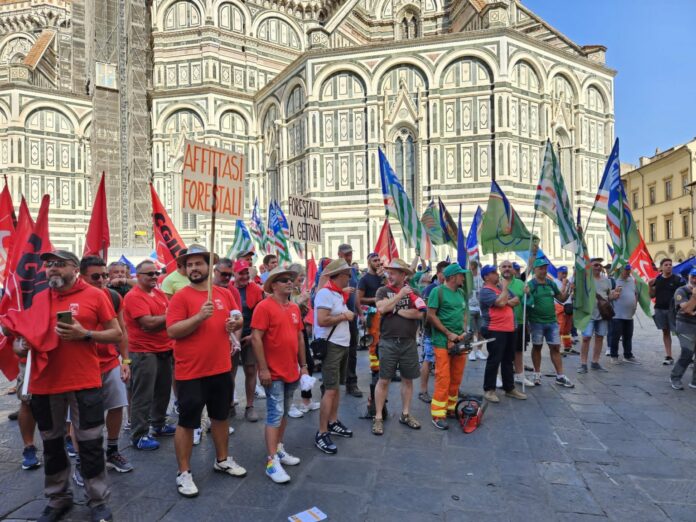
(8,223)
(24,212)
(168,242)
(98,237)
(386,246)
(25,309)
(311,274)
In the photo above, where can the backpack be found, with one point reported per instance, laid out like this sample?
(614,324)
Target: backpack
(428,325)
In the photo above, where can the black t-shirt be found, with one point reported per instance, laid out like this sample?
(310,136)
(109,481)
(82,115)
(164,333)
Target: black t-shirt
(370,283)
(246,312)
(664,290)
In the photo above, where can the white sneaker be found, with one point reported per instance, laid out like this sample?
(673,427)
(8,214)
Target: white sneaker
(521,378)
(498,382)
(230,467)
(185,485)
(275,471)
(480,355)
(295,412)
(608,353)
(472,355)
(312,406)
(235,401)
(259,392)
(285,457)
(230,431)
(197,433)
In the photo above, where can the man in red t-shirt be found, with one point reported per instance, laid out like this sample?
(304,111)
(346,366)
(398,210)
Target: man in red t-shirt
(145,314)
(71,377)
(115,373)
(276,335)
(201,328)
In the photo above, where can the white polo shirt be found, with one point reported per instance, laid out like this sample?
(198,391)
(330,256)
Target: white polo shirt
(328,300)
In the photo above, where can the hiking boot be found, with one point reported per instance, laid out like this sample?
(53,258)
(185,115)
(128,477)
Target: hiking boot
(491,396)
(185,485)
(582,369)
(564,381)
(677,384)
(250,414)
(230,467)
(440,424)
(516,394)
(324,443)
(285,458)
(101,513)
(52,514)
(275,471)
(29,459)
(118,462)
(337,428)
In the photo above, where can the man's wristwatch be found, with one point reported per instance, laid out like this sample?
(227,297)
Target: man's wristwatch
(88,336)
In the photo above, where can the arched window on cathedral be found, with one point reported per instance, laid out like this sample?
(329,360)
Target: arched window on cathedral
(405,162)
(409,26)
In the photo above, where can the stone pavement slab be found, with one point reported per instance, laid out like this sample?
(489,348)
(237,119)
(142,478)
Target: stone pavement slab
(620,446)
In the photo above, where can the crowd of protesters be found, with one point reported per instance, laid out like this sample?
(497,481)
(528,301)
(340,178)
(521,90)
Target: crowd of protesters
(131,345)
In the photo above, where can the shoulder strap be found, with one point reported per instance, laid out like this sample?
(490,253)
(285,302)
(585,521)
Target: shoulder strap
(331,332)
(115,299)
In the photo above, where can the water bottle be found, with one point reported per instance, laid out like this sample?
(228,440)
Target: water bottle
(234,342)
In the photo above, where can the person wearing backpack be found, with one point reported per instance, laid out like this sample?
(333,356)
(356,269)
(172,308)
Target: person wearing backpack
(542,321)
(684,304)
(447,305)
(602,313)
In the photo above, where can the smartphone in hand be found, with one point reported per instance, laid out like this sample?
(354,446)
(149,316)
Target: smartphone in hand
(65,317)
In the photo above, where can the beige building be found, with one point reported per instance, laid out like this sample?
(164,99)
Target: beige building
(660,193)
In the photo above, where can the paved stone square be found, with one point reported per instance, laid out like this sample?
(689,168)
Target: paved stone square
(621,446)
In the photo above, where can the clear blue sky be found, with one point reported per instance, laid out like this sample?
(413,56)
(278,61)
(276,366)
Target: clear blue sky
(652,45)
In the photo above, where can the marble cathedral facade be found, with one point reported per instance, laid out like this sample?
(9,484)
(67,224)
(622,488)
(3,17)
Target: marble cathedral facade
(457,92)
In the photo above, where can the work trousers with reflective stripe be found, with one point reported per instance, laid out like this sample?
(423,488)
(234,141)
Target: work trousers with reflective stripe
(449,370)
(565,325)
(373,330)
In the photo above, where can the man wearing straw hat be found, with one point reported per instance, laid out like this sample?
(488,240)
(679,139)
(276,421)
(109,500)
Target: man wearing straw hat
(331,322)
(401,312)
(278,341)
(200,326)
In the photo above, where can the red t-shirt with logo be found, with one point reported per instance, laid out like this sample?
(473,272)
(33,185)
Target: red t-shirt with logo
(206,351)
(280,324)
(108,353)
(138,303)
(74,365)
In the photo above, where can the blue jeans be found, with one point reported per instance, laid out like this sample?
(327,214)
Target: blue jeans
(548,331)
(428,353)
(278,398)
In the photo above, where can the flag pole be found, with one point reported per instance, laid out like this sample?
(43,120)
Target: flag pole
(212,236)
(524,292)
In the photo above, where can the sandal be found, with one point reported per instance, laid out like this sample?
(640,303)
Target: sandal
(377,427)
(409,421)
(425,397)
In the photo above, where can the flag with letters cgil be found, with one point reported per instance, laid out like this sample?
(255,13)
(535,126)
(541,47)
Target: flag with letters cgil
(168,242)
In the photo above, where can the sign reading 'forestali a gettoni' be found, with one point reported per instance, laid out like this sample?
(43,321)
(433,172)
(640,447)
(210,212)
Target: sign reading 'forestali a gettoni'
(304,220)
(200,163)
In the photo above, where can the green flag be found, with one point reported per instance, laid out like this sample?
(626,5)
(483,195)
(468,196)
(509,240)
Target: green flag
(585,296)
(502,229)
(431,222)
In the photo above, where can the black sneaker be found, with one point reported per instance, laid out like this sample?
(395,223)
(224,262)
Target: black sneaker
(337,428)
(324,443)
(118,462)
(668,361)
(565,382)
(51,514)
(101,513)
(440,424)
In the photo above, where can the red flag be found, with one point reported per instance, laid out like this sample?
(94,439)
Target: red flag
(386,246)
(642,262)
(98,242)
(9,362)
(24,212)
(168,242)
(25,307)
(8,222)
(311,274)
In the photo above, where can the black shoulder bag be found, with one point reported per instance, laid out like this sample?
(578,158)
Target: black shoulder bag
(319,347)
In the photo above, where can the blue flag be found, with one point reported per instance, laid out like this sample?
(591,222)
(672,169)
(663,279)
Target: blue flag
(461,243)
(473,238)
(131,267)
(524,255)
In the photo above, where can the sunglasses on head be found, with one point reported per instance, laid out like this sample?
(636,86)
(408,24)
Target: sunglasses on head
(58,263)
(97,277)
(149,274)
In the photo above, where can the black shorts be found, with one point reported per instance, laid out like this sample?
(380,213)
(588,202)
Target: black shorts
(213,392)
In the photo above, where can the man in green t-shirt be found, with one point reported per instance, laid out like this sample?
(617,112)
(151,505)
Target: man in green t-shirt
(177,279)
(447,306)
(517,288)
(543,323)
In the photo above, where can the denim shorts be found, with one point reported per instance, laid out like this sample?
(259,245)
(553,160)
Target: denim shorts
(278,398)
(548,331)
(599,327)
(428,353)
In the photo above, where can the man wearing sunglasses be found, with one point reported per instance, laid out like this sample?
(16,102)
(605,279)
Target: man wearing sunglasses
(114,373)
(145,309)
(70,377)
(223,273)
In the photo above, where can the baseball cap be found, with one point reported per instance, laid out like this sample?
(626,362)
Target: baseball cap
(516,266)
(692,272)
(487,269)
(627,266)
(65,255)
(541,262)
(240,265)
(453,269)
(562,268)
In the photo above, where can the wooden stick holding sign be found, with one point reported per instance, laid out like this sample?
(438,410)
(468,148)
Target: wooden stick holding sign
(212,236)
